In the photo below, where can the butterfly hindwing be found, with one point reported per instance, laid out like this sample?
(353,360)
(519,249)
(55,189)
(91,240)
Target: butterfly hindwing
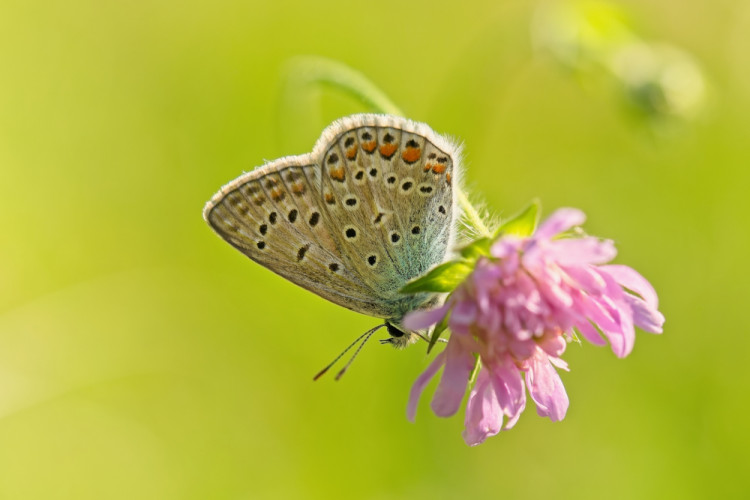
(392,199)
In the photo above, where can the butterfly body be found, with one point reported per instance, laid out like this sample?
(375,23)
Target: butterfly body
(367,211)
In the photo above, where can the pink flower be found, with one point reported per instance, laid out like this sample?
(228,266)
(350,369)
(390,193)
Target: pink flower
(515,313)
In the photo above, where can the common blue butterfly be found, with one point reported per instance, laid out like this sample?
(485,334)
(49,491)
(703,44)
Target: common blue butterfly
(370,209)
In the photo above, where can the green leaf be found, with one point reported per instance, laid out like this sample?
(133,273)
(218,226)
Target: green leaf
(441,279)
(477,248)
(522,224)
(437,331)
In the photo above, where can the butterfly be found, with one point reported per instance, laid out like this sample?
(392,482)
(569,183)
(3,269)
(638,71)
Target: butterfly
(370,209)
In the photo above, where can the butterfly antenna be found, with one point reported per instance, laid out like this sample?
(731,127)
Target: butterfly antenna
(366,336)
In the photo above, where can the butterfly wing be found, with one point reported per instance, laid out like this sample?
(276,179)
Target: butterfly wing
(387,189)
(341,221)
(272,215)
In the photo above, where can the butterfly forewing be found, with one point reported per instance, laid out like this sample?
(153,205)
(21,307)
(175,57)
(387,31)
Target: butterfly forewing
(368,210)
(264,219)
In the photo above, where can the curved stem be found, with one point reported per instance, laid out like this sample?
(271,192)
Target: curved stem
(310,70)
(304,72)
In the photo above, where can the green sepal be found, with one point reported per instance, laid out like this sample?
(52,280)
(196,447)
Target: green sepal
(437,331)
(475,370)
(523,223)
(477,248)
(441,279)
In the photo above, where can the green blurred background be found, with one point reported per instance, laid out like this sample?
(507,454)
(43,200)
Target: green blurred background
(142,357)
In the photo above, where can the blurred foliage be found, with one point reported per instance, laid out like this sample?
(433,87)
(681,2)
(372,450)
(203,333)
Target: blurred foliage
(142,357)
(657,79)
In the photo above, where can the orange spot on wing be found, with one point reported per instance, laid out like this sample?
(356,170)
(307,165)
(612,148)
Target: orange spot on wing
(298,189)
(428,166)
(338,174)
(438,169)
(277,194)
(411,155)
(369,147)
(448,178)
(330,198)
(387,150)
(351,153)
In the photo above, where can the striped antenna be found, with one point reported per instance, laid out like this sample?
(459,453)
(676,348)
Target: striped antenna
(366,337)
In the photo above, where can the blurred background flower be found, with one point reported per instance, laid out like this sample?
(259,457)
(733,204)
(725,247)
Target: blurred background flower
(657,79)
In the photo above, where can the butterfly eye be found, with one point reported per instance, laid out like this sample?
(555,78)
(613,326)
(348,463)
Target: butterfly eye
(394,332)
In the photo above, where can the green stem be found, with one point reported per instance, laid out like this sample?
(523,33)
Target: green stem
(305,72)
(310,70)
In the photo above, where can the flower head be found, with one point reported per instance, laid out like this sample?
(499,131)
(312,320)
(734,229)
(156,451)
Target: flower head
(513,315)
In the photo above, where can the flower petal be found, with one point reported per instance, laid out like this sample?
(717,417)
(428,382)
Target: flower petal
(546,388)
(561,220)
(464,313)
(421,383)
(508,385)
(553,345)
(644,316)
(581,251)
(459,363)
(419,320)
(632,279)
(484,417)
(590,333)
(584,278)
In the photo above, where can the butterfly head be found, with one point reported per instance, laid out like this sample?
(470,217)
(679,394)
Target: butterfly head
(399,336)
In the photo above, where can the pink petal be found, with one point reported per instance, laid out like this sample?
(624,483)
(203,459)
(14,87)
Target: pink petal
(581,251)
(484,417)
(585,278)
(508,385)
(559,363)
(631,279)
(590,333)
(615,302)
(645,316)
(554,345)
(463,314)
(505,247)
(419,320)
(561,220)
(546,388)
(620,334)
(459,363)
(557,296)
(421,383)
(593,309)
